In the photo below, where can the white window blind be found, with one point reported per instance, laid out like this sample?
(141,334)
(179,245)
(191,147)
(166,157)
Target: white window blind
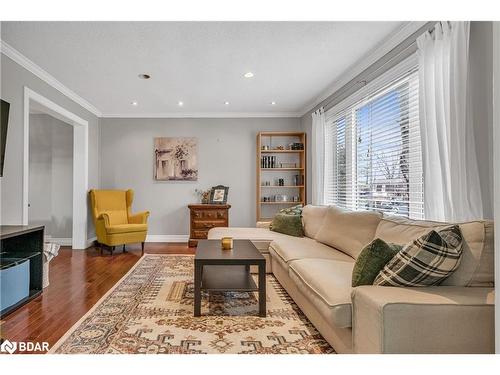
(373,155)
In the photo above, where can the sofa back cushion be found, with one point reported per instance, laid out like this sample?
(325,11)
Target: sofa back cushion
(312,219)
(476,267)
(348,231)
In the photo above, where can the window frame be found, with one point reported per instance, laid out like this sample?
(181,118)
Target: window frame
(406,71)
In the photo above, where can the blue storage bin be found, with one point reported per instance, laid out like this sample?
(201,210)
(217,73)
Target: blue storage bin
(14,281)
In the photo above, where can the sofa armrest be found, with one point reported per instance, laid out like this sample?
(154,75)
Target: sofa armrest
(263,224)
(139,218)
(441,319)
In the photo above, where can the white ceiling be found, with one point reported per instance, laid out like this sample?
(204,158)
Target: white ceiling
(199,63)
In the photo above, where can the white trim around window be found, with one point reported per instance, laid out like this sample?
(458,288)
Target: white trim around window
(372,146)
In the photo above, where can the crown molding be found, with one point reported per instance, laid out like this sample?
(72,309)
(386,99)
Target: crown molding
(397,37)
(371,57)
(204,115)
(29,65)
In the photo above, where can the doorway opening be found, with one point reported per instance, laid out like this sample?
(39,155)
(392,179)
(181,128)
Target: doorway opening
(55,178)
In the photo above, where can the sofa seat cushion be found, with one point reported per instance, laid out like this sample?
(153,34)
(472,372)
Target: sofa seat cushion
(477,265)
(348,231)
(260,237)
(293,248)
(326,284)
(127,228)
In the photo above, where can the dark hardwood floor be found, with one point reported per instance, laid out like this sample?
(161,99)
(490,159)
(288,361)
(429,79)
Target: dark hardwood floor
(78,279)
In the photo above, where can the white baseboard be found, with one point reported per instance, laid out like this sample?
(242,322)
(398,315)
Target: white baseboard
(149,238)
(68,241)
(59,241)
(167,238)
(90,241)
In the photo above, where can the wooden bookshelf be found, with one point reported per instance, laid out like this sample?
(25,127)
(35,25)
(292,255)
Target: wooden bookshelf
(281,169)
(281,151)
(283,155)
(283,203)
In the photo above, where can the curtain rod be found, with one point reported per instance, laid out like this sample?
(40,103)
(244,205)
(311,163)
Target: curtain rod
(394,56)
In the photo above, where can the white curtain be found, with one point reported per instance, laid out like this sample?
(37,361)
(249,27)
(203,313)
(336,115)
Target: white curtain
(318,157)
(451,180)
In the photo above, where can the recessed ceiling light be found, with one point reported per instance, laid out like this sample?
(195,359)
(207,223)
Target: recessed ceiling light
(248,75)
(134,103)
(273,103)
(226,103)
(180,104)
(144,76)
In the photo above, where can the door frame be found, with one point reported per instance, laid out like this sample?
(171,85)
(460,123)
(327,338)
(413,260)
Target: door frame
(80,162)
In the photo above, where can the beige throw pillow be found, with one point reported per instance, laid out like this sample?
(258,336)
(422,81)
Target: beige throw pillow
(348,231)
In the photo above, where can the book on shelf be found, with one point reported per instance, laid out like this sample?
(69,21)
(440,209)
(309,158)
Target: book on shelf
(268,162)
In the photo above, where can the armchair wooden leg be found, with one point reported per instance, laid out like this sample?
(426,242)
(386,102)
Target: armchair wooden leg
(100,247)
(112,249)
(142,246)
(123,247)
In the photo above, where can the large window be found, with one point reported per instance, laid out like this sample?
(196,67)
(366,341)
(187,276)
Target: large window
(372,151)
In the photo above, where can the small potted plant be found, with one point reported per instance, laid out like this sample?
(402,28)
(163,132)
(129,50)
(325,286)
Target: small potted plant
(203,195)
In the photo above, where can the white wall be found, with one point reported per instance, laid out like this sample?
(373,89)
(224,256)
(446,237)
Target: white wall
(14,78)
(226,154)
(496,173)
(51,175)
(481,86)
(40,170)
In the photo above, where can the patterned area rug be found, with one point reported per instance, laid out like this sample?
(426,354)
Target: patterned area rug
(151,311)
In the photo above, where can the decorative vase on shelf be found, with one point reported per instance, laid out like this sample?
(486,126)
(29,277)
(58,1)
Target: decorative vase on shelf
(203,195)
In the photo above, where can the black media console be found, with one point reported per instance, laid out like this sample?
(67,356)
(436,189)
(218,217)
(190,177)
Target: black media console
(19,243)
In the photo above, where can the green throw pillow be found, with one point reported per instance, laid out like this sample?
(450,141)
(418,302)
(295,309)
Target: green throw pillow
(295,210)
(288,224)
(371,260)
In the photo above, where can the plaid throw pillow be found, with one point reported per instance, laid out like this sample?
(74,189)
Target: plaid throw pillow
(426,261)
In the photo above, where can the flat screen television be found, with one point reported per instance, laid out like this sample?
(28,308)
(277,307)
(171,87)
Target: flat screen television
(4,122)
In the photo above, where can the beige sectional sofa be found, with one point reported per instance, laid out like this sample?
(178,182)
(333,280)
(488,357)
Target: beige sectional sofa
(316,270)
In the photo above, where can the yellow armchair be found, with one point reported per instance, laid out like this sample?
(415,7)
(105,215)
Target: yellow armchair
(114,222)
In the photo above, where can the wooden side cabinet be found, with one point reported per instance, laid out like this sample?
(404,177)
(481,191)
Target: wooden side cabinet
(204,217)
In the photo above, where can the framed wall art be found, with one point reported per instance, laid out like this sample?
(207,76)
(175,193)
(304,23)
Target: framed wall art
(176,159)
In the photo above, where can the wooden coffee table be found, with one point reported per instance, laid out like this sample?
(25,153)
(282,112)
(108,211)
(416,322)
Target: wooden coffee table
(228,270)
